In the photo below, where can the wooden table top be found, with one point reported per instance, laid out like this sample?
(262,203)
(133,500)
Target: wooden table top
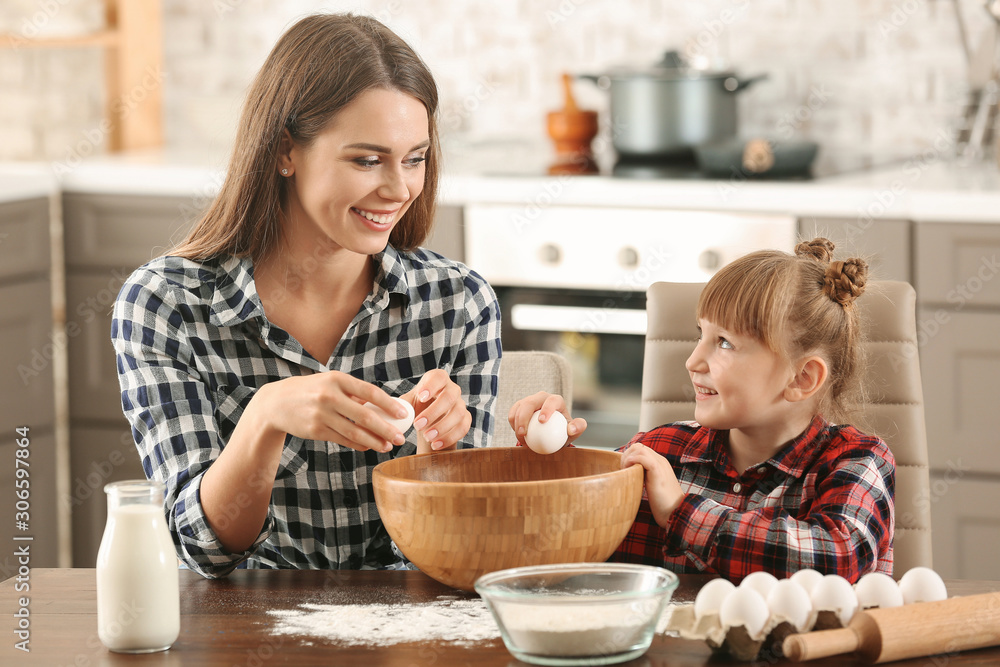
(227,622)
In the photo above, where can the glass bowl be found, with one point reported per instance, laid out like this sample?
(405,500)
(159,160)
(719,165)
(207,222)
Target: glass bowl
(577,613)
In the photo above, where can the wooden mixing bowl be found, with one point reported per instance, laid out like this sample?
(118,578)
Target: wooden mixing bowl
(457,515)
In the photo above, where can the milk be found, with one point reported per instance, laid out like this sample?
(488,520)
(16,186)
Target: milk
(138,598)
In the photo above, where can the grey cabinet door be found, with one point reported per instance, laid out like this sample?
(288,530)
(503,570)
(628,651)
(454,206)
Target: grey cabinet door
(966,529)
(98,456)
(958,264)
(24,239)
(960,354)
(27,348)
(447,236)
(884,244)
(122,231)
(94,393)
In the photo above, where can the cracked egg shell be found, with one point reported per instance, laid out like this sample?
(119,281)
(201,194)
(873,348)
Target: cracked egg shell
(744,607)
(789,602)
(877,589)
(834,593)
(710,597)
(922,584)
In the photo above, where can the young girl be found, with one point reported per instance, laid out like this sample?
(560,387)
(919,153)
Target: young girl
(762,480)
(246,356)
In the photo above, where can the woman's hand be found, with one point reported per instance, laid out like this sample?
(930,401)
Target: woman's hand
(520,415)
(330,406)
(662,488)
(442,418)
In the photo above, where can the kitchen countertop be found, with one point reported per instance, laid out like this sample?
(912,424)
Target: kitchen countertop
(929,188)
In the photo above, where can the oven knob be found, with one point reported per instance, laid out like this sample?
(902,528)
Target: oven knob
(550,254)
(628,257)
(710,260)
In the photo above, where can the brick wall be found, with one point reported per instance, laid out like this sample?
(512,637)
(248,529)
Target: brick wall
(878,76)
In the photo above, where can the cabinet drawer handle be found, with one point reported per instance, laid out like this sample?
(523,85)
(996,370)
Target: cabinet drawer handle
(550,253)
(628,257)
(710,260)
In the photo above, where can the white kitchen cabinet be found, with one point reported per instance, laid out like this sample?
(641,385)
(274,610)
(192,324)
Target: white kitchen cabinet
(27,350)
(958,331)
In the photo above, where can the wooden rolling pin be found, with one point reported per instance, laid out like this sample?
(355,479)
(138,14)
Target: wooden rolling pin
(910,631)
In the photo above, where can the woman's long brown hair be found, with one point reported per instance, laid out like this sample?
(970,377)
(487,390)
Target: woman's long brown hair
(319,65)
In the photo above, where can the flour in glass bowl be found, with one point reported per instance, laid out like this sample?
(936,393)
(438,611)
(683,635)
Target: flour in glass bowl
(459,621)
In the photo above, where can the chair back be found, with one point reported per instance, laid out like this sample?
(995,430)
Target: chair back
(891,378)
(523,373)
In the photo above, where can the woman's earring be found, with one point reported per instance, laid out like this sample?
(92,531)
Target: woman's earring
(284,172)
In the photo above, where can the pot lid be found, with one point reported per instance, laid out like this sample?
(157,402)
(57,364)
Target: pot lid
(671,67)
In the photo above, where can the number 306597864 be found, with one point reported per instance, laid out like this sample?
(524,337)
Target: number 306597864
(22,474)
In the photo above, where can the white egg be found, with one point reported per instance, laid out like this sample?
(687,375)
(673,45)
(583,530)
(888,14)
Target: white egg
(834,593)
(807,578)
(762,582)
(711,595)
(877,589)
(746,607)
(548,436)
(922,584)
(789,602)
(402,423)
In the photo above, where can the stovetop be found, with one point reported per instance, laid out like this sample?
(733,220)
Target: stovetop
(527,160)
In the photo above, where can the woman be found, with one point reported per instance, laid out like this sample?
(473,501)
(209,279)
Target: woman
(246,356)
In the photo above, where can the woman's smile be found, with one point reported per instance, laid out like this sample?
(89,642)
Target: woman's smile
(380,218)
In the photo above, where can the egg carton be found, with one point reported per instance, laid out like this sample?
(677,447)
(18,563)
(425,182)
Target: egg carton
(763,611)
(737,641)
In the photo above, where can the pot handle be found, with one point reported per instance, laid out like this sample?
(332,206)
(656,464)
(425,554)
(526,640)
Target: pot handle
(735,84)
(602,81)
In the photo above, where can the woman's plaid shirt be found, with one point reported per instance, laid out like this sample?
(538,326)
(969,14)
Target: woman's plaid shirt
(825,502)
(193,346)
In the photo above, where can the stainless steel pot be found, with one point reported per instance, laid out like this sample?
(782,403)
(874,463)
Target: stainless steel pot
(670,108)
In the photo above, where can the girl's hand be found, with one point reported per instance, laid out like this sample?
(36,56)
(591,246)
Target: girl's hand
(442,418)
(662,488)
(520,415)
(330,406)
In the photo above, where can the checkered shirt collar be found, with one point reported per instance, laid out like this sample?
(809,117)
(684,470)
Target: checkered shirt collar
(236,300)
(709,446)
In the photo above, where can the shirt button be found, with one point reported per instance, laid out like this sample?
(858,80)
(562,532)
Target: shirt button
(350,499)
(762,470)
(737,487)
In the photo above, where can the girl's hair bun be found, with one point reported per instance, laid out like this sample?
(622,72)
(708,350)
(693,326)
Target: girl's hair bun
(818,248)
(845,281)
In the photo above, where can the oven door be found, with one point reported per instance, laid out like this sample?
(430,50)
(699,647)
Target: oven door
(573,280)
(601,334)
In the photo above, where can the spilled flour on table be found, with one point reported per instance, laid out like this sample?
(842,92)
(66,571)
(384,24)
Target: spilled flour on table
(447,619)
(443,620)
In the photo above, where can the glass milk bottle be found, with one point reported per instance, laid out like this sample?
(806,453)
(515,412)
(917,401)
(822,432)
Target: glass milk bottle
(138,598)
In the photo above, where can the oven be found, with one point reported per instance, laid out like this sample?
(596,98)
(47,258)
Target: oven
(572,279)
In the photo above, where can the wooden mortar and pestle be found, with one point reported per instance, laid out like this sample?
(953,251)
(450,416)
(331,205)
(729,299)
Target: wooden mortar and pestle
(572,129)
